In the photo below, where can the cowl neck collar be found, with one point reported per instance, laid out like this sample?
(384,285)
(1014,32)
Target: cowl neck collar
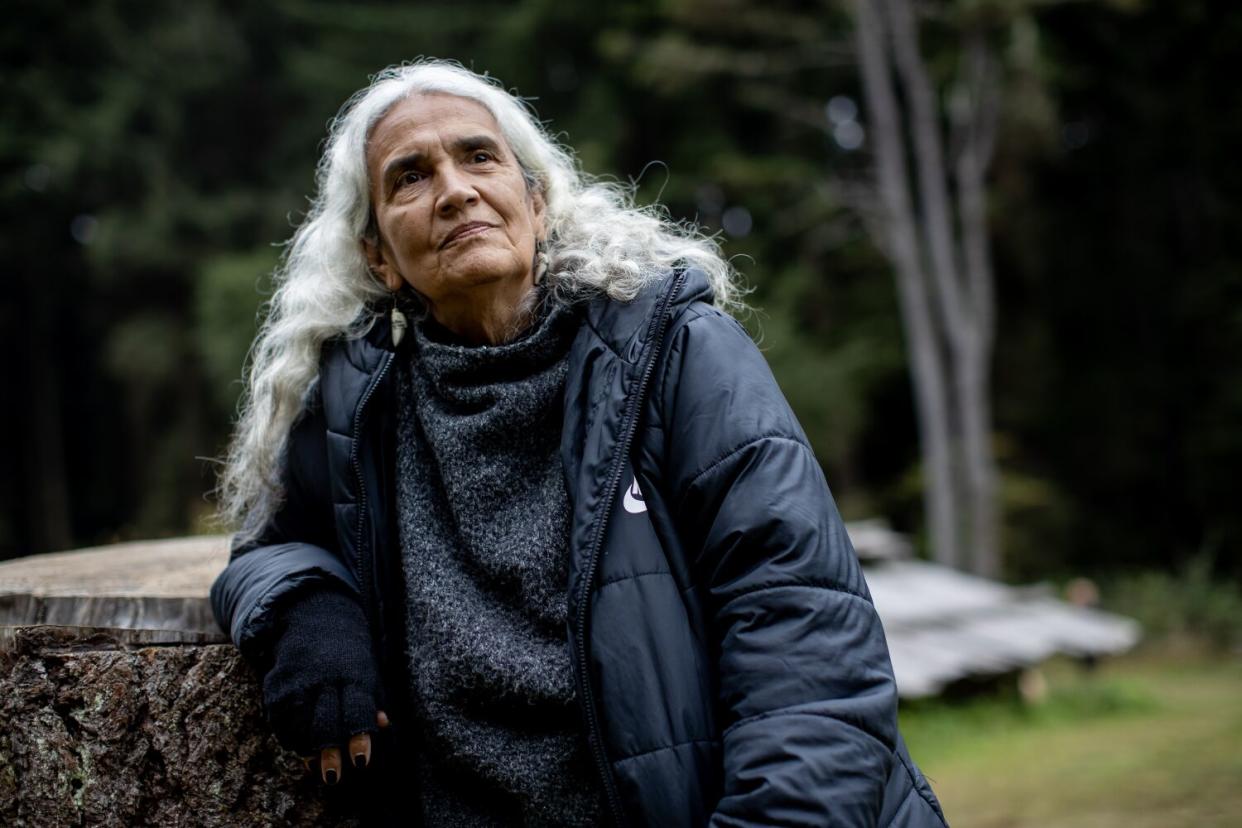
(449,364)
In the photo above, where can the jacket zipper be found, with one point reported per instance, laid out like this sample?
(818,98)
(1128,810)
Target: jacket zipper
(363,569)
(659,326)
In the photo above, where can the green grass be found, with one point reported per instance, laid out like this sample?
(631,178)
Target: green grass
(1145,741)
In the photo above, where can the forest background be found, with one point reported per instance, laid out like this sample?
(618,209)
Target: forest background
(154,156)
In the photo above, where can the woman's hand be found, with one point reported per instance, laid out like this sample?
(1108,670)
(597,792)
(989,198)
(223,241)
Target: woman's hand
(323,691)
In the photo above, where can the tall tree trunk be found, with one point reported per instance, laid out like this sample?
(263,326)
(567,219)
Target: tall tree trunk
(975,121)
(977,465)
(900,241)
(943,263)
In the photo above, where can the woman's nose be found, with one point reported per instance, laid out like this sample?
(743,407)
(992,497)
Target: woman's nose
(457,191)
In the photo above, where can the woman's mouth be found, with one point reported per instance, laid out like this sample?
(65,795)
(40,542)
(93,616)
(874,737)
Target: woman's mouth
(465,231)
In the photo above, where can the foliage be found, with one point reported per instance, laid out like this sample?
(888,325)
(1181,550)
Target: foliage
(153,155)
(1193,603)
(226,319)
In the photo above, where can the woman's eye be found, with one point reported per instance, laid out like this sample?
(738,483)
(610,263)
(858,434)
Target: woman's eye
(481,157)
(409,177)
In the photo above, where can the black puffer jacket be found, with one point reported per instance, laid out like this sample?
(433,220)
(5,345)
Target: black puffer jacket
(730,665)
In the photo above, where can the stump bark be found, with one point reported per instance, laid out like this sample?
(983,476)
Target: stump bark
(100,726)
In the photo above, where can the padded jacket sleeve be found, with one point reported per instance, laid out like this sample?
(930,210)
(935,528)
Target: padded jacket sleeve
(807,699)
(295,549)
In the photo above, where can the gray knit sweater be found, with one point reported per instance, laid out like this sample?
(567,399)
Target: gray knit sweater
(484,519)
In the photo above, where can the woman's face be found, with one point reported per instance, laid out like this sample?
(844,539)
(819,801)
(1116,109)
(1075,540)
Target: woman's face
(455,217)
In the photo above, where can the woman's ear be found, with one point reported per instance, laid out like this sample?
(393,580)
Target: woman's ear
(539,210)
(373,249)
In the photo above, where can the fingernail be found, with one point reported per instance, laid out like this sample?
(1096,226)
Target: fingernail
(360,760)
(330,775)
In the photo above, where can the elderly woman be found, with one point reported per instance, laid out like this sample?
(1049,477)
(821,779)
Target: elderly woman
(521,503)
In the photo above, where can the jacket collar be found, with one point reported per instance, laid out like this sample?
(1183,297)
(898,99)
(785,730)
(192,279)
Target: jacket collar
(350,366)
(623,326)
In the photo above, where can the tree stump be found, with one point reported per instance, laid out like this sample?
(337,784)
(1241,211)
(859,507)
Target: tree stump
(121,702)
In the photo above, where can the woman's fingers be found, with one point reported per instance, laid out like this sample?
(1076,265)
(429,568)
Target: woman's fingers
(330,765)
(360,744)
(360,750)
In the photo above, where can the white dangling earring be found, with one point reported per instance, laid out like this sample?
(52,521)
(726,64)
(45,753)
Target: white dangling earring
(399,323)
(541,260)
(540,267)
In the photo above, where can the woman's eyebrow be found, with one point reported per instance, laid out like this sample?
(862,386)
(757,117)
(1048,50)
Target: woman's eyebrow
(468,143)
(402,163)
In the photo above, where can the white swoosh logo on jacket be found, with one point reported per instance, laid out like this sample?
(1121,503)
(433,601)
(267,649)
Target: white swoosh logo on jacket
(633,500)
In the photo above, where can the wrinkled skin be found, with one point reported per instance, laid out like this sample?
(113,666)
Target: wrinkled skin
(456,219)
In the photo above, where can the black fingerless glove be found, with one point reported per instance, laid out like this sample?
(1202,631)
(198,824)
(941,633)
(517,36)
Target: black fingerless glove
(323,686)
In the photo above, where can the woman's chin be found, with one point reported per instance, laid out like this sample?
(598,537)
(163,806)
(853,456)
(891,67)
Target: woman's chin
(483,267)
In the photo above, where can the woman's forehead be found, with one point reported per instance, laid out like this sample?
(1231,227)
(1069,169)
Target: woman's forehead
(430,118)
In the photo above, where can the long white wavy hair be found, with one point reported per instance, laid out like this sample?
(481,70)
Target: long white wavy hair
(599,242)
